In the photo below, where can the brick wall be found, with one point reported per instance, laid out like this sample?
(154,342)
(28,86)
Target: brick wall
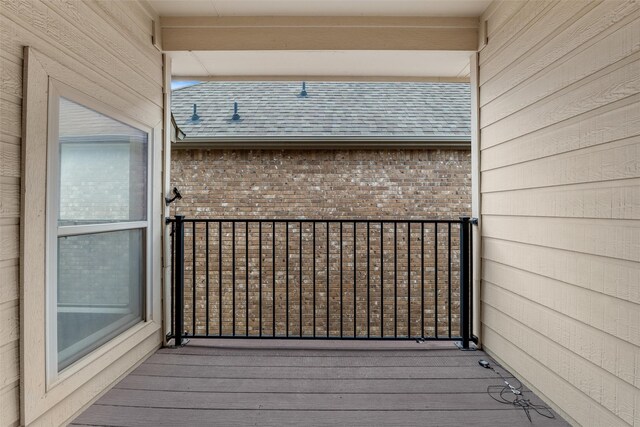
(328,184)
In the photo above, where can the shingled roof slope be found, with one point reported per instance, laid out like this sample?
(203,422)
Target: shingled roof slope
(331,109)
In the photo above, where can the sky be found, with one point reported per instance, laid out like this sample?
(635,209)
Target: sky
(179,84)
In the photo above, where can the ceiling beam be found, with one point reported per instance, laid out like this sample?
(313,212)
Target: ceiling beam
(318,33)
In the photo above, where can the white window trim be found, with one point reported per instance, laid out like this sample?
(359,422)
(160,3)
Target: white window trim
(58,90)
(90,376)
(77,230)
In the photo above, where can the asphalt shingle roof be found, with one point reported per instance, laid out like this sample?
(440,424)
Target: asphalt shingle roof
(331,109)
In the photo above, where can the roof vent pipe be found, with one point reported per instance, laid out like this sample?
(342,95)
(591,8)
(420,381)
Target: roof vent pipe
(195,117)
(235,116)
(303,92)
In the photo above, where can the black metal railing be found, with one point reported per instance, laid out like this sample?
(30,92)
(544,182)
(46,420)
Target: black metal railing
(321,279)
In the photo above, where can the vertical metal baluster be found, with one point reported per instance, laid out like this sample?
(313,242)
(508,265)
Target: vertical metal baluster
(471,278)
(273,283)
(328,279)
(179,281)
(206,236)
(314,279)
(173,275)
(233,277)
(449,276)
(193,279)
(465,226)
(395,279)
(219,278)
(300,293)
(286,270)
(422,278)
(246,278)
(435,272)
(409,280)
(381,280)
(368,281)
(355,279)
(300,281)
(260,273)
(341,273)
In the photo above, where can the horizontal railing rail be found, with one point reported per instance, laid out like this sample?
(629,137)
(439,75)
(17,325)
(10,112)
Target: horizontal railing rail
(321,279)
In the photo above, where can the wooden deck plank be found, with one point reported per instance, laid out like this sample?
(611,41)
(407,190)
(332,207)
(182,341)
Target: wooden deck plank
(137,417)
(253,385)
(311,361)
(247,382)
(320,344)
(298,372)
(235,351)
(295,348)
(302,401)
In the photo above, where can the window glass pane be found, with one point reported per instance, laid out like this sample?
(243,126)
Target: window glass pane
(100,290)
(103,168)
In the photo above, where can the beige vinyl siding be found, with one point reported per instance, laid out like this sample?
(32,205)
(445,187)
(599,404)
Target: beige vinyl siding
(560,202)
(108,42)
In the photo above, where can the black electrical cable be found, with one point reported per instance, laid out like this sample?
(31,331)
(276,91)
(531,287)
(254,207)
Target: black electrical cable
(504,393)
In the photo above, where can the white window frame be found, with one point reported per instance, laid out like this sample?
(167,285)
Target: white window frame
(58,90)
(81,383)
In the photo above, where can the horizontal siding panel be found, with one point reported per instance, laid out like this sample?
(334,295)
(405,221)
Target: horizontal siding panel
(10,42)
(595,21)
(604,351)
(9,197)
(118,60)
(10,404)
(107,373)
(10,118)
(119,19)
(569,398)
(601,315)
(511,26)
(608,162)
(609,123)
(9,291)
(608,48)
(611,238)
(560,205)
(616,278)
(138,14)
(531,30)
(110,38)
(10,321)
(9,363)
(9,241)
(601,386)
(10,78)
(59,39)
(124,101)
(499,13)
(609,85)
(9,159)
(610,200)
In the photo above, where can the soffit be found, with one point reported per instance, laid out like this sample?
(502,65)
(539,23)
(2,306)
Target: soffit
(321,65)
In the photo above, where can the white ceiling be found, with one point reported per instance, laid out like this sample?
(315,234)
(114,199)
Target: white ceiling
(453,8)
(422,64)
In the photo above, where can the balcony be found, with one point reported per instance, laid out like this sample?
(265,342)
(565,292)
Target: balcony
(293,383)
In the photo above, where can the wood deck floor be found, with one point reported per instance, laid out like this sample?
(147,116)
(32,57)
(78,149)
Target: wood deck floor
(298,383)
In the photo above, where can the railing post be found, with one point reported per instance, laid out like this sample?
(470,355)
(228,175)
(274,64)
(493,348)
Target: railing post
(178,287)
(465,281)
